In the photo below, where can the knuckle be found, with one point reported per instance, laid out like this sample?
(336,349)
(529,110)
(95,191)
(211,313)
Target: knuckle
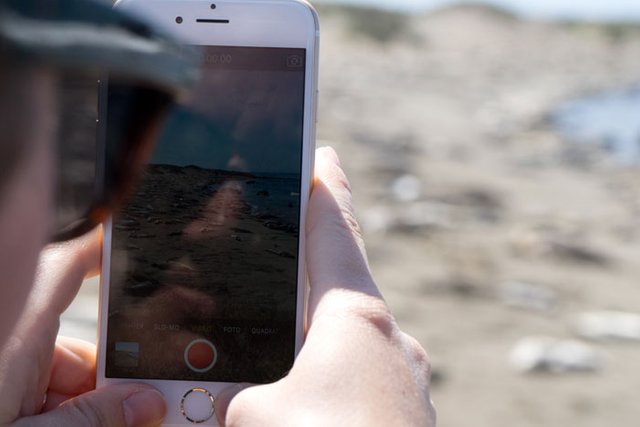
(347,225)
(342,192)
(342,182)
(375,314)
(416,350)
(418,357)
(352,224)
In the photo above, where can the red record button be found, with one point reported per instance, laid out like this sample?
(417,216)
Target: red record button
(200,355)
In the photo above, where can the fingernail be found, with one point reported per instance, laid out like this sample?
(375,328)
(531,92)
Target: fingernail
(144,407)
(331,154)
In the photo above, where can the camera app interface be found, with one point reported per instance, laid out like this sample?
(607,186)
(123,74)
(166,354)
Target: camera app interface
(204,259)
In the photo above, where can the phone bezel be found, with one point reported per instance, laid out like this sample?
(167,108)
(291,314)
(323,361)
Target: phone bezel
(252,23)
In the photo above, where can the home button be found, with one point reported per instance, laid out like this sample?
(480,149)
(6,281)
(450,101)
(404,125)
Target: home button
(197,405)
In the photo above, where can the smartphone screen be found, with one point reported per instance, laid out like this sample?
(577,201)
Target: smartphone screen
(204,261)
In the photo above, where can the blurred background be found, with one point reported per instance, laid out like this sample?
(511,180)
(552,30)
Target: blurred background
(494,152)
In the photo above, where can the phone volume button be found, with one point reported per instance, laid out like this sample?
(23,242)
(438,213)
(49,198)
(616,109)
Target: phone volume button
(315,108)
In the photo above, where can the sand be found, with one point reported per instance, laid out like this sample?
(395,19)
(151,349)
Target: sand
(462,105)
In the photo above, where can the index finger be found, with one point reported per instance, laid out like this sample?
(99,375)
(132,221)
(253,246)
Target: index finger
(73,371)
(61,269)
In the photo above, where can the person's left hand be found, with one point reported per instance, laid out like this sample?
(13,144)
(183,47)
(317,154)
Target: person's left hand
(47,380)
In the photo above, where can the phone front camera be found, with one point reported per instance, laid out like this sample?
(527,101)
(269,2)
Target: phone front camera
(213,6)
(179,20)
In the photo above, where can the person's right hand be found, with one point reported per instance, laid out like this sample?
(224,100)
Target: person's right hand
(356,368)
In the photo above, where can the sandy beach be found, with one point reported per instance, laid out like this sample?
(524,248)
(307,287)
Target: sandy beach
(464,188)
(484,225)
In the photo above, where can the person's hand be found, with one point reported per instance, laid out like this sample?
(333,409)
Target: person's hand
(356,366)
(44,382)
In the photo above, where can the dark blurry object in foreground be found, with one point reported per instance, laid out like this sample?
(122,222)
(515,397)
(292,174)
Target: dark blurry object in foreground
(85,41)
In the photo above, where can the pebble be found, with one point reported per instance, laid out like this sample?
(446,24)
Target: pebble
(413,217)
(181,267)
(551,355)
(377,219)
(126,224)
(527,295)
(407,188)
(609,326)
(141,288)
(540,242)
(573,251)
(283,254)
(424,215)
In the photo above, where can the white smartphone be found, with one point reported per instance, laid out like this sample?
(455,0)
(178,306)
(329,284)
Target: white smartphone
(203,274)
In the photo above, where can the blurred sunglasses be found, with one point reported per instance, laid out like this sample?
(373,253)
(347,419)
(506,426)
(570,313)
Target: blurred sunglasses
(104,59)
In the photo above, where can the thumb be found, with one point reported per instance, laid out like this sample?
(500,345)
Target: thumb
(224,398)
(336,257)
(116,405)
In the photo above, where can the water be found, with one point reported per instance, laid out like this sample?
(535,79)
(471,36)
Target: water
(611,119)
